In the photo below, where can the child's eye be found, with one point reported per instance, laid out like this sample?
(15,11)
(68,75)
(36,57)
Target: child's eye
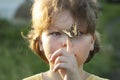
(55,33)
(79,34)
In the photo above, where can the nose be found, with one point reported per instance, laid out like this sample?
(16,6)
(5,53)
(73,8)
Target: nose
(67,43)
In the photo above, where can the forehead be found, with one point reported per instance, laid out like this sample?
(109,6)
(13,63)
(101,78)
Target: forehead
(64,20)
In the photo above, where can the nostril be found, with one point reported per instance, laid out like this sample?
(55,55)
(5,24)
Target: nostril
(64,44)
(66,41)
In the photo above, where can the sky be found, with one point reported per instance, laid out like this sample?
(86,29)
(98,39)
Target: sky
(8,8)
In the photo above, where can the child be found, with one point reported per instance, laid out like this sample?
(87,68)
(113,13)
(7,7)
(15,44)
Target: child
(63,35)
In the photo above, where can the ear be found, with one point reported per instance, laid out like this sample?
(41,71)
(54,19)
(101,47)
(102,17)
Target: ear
(40,45)
(93,38)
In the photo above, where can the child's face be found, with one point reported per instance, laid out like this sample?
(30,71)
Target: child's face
(54,39)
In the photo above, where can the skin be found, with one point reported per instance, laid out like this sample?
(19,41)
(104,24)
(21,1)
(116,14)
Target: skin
(66,55)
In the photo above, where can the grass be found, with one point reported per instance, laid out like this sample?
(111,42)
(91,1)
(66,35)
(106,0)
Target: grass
(16,59)
(110,12)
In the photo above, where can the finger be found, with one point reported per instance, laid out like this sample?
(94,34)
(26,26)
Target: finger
(68,61)
(57,53)
(60,66)
(61,59)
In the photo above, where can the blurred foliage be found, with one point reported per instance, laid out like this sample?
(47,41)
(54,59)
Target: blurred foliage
(23,12)
(18,61)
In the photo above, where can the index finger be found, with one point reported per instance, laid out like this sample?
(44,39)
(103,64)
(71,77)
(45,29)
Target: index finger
(59,52)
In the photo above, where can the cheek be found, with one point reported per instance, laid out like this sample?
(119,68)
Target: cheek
(49,46)
(82,51)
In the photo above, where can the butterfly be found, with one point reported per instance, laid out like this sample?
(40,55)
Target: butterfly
(73,31)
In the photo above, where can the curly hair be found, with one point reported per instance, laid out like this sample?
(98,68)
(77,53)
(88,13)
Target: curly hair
(43,10)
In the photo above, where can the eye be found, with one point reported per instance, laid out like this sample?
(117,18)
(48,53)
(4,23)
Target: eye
(79,34)
(55,34)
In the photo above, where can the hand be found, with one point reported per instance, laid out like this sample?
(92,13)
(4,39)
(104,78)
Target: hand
(65,63)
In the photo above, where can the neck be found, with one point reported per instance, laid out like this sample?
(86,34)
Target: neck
(83,74)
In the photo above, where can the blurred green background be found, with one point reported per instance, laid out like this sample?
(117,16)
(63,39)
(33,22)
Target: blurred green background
(17,61)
